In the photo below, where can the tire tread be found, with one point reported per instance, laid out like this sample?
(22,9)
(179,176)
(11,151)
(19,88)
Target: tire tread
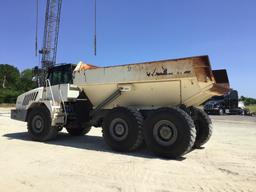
(207,124)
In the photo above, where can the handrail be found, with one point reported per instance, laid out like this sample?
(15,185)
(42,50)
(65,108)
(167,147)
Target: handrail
(64,108)
(50,87)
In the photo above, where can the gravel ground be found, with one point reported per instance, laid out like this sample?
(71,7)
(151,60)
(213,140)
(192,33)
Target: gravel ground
(227,163)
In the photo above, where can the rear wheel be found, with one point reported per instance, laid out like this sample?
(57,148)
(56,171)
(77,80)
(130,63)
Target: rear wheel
(122,129)
(169,132)
(39,124)
(203,127)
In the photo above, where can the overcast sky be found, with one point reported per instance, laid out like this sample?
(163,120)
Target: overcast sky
(140,30)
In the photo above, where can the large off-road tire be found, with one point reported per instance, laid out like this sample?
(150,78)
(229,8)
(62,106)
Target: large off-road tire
(169,132)
(78,131)
(39,124)
(122,129)
(203,126)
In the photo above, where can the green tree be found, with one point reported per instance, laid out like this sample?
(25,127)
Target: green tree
(248,100)
(9,76)
(26,83)
(13,83)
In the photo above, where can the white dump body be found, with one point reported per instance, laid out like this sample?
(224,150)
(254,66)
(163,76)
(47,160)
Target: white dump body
(188,81)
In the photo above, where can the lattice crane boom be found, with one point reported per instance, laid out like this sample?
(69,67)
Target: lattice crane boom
(51,33)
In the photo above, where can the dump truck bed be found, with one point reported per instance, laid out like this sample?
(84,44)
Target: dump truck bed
(189,81)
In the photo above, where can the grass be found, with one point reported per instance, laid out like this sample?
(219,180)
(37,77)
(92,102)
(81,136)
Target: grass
(252,108)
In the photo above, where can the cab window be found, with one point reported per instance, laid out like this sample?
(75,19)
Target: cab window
(60,75)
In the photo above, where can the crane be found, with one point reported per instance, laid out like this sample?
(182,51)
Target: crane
(51,36)
(51,33)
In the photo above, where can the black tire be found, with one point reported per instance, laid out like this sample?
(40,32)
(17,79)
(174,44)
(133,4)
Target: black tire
(39,124)
(122,129)
(78,131)
(169,132)
(203,127)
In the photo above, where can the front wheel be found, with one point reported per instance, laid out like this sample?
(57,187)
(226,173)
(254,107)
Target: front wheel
(39,124)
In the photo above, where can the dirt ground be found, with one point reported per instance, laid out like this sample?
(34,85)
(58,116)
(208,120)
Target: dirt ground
(228,162)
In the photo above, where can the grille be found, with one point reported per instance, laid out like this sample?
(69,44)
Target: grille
(208,107)
(29,97)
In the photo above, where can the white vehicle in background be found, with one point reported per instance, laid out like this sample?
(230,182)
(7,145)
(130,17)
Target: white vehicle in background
(152,102)
(241,105)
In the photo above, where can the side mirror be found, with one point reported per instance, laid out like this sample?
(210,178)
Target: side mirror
(37,74)
(35,78)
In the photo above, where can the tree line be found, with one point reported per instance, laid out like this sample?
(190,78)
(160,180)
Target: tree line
(248,100)
(13,82)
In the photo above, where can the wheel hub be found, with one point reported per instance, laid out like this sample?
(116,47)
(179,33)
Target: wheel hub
(37,124)
(165,132)
(118,129)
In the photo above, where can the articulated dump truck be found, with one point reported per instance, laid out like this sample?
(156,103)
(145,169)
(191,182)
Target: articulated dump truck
(151,102)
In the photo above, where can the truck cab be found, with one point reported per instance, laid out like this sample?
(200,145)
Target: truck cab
(227,103)
(62,74)
(58,89)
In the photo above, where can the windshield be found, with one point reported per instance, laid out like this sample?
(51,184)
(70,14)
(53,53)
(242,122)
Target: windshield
(214,102)
(61,75)
(218,97)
